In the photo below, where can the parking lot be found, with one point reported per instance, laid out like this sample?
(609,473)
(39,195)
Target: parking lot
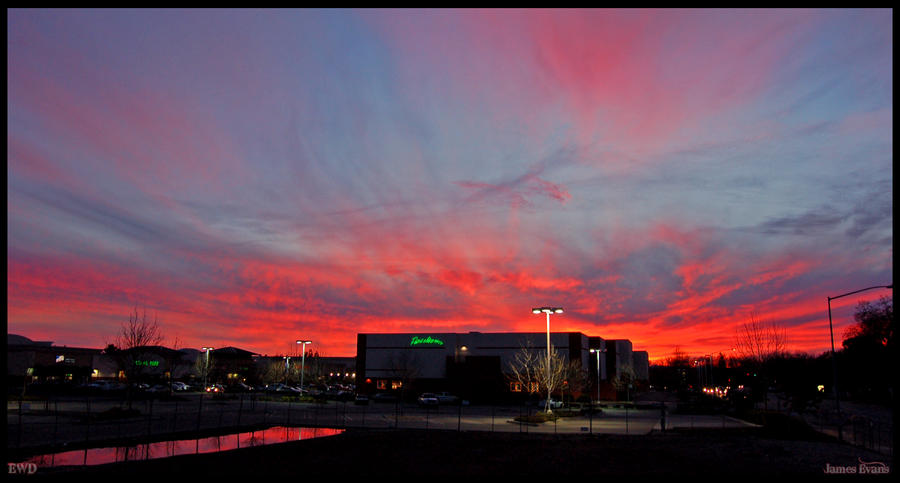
(97,420)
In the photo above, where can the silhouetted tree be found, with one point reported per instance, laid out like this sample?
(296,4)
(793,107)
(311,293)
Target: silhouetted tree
(796,378)
(138,332)
(869,348)
(672,374)
(405,367)
(759,344)
(576,378)
(678,359)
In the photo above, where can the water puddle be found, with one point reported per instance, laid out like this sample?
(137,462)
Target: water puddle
(165,449)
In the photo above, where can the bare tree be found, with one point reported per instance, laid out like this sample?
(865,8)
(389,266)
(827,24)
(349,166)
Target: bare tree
(270,371)
(760,345)
(529,368)
(404,367)
(523,368)
(759,342)
(174,361)
(577,379)
(678,358)
(624,381)
(139,332)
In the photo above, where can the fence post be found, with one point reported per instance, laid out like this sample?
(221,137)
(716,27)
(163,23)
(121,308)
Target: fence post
(55,421)
(199,414)
(175,418)
(87,427)
(626,418)
(240,411)
(150,417)
(19,437)
(290,401)
(221,412)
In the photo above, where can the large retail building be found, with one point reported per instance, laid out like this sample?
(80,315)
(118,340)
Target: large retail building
(477,366)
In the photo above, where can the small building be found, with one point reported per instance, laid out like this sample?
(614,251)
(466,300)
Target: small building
(230,365)
(30,361)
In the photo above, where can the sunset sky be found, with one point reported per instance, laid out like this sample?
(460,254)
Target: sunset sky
(253,177)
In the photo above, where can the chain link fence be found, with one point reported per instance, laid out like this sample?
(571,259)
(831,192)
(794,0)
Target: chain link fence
(86,421)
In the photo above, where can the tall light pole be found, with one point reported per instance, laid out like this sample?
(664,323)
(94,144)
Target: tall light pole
(548,311)
(206,370)
(598,351)
(303,360)
(837,398)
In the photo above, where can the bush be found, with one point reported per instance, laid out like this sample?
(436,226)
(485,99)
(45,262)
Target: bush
(537,418)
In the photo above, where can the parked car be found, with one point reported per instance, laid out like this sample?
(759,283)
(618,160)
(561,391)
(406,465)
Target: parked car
(554,404)
(215,388)
(384,397)
(275,387)
(447,398)
(180,386)
(428,399)
(361,399)
(338,393)
(158,388)
(105,385)
(283,389)
(239,387)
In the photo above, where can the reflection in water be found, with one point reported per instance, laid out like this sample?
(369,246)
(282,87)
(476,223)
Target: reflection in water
(164,449)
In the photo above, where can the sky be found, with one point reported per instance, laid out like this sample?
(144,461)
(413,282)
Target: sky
(253,177)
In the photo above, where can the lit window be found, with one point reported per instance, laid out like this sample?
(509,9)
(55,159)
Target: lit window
(396,384)
(515,386)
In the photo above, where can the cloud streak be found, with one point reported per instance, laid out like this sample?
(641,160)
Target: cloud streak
(258,176)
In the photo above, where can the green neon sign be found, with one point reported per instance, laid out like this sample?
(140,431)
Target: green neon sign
(147,363)
(416,340)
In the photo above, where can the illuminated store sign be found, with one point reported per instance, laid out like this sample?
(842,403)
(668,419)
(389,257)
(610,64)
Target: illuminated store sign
(430,341)
(147,363)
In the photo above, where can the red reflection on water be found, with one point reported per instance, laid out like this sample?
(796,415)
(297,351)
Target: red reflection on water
(165,449)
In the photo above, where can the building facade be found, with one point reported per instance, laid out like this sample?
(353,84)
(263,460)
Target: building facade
(477,366)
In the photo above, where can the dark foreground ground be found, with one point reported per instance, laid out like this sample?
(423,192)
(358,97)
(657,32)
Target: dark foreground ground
(377,453)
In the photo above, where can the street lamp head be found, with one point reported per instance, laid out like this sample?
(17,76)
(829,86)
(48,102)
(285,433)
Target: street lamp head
(549,310)
(207,349)
(304,342)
